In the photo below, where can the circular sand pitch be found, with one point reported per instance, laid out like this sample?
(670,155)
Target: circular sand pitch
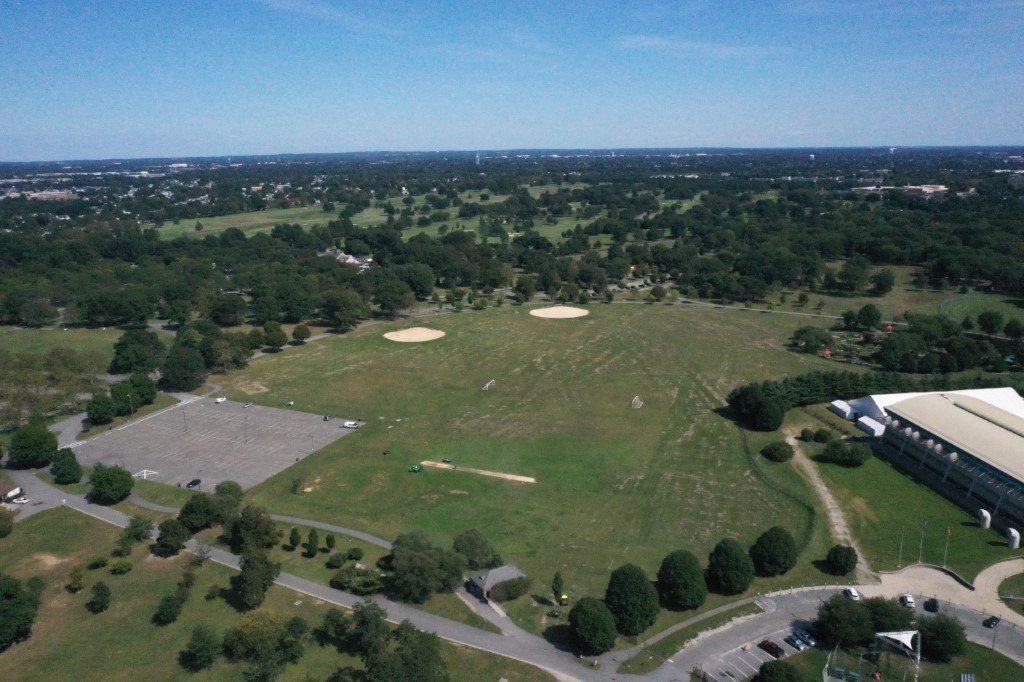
(559,312)
(414,335)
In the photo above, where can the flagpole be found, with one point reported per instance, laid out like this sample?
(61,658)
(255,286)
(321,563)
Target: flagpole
(949,531)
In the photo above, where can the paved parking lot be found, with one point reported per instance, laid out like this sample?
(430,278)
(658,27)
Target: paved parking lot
(742,662)
(213,442)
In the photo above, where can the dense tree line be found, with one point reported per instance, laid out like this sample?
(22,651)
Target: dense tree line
(762,406)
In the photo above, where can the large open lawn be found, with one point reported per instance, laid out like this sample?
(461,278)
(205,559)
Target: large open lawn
(69,643)
(614,484)
(21,340)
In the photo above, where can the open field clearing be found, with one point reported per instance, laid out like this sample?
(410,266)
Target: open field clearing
(69,643)
(249,223)
(615,484)
(21,340)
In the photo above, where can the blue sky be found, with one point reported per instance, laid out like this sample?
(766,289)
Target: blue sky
(117,78)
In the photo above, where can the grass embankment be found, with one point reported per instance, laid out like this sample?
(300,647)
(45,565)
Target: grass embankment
(123,644)
(886,509)
(615,484)
(654,656)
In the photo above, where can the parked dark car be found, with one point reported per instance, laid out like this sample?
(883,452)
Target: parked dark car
(773,649)
(991,621)
(194,483)
(931,605)
(806,637)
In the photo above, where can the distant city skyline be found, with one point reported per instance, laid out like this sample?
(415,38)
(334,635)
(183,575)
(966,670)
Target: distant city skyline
(114,79)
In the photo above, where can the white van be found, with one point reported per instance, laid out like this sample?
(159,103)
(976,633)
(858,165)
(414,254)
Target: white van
(220,400)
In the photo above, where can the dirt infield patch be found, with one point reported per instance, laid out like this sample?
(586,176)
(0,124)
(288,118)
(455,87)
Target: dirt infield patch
(481,472)
(414,335)
(559,312)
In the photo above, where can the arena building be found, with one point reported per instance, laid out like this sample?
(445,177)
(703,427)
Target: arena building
(968,445)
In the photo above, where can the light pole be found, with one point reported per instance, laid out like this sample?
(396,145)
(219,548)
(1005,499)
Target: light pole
(949,531)
(245,429)
(899,561)
(131,408)
(920,549)
(184,419)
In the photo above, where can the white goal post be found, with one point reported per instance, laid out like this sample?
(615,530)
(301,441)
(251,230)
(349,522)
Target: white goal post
(488,385)
(637,403)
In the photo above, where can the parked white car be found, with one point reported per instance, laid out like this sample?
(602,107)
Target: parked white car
(907,600)
(220,400)
(21,500)
(852,594)
(350,425)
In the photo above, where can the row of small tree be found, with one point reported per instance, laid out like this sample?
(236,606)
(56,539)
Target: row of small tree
(631,601)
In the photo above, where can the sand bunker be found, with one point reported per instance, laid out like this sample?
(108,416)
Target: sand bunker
(559,312)
(414,335)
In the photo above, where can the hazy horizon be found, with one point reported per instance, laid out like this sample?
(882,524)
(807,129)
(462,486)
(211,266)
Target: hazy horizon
(122,80)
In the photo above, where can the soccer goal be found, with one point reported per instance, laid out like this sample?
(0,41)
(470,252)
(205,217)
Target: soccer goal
(145,474)
(637,403)
(488,385)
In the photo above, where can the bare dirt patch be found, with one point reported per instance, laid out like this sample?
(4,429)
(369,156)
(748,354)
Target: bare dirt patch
(47,561)
(251,387)
(481,472)
(414,335)
(559,312)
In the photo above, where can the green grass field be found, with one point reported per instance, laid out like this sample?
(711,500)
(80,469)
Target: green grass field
(69,643)
(615,484)
(21,340)
(985,663)
(250,223)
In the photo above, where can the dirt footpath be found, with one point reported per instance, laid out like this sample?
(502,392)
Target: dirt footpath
(836,521)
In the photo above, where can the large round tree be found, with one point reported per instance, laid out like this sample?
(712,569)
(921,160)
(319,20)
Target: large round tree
(730,570)
(681,581)
(593,625)
(632,599)
(32,446)
(774,552)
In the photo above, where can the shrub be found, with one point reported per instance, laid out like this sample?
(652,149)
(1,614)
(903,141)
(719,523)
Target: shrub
(100,601)
(774,552)
(202,649)
(593,625)
(76,580)
(822,436)
(109,484)
(139,529)
(806,435)
(845,455)
(336,560)
(841,560)
(173,536)
(942,638)
(97,562)
(65,468)
(121,567)
(168,610)
(779,451)
(354,554)
(730,570)
(681,581)
(632,599)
